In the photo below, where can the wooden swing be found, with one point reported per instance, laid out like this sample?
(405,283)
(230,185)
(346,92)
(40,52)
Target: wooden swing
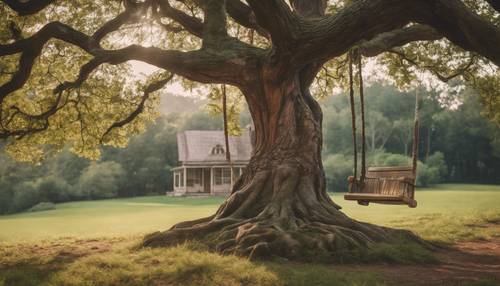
(382,185)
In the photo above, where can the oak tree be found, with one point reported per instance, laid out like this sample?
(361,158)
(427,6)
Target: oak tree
(63,79)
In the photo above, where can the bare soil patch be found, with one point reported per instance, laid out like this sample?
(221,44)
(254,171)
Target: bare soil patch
(464,263)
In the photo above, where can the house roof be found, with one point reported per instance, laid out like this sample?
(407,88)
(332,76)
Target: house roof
(195,146)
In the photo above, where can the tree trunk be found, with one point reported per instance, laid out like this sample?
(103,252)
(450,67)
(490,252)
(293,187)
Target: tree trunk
(280,207)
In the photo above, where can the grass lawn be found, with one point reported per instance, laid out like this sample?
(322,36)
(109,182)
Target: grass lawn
(440,209)
(93,243)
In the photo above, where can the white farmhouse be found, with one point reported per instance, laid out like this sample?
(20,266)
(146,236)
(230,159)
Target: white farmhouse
(204,169)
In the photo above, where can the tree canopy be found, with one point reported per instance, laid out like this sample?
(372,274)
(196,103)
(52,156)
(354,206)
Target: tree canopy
(64,77)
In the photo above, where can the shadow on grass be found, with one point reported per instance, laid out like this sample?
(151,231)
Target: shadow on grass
(36,272)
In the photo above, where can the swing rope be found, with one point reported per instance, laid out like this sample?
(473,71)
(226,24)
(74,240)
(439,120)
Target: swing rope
(353,119)
(226,131)
(387,180)
(415,134)
(362,102)
(355,56)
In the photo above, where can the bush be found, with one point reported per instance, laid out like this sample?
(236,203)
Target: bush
(101,180)
(53,189)
(43,206)
(426,176)
(437,161)
(381,158)
(433,171)
(337,168)
(25,196)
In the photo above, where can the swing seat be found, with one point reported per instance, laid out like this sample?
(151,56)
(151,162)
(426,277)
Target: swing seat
(384,185)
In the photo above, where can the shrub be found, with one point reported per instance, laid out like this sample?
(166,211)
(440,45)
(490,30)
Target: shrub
(433,171)
(43,206)
(426,176)
(381,158)
(25,196)
(53,189)
(6,195)
(101,180)
(437,161)
(337,168)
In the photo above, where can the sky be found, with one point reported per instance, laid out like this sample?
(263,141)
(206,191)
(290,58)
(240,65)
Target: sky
(141,70)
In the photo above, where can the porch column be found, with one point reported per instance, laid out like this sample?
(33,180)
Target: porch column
(231,168)
(202,173)
(185,179)
(211,180)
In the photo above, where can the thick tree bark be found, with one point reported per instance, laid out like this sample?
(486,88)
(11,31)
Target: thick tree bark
(280,206)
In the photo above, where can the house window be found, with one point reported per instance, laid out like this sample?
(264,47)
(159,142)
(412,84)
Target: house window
(226,176)
(222,176)
(193,177)
(218,149)
(178,179)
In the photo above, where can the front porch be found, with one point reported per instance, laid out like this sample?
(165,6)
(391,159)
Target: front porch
(205,180)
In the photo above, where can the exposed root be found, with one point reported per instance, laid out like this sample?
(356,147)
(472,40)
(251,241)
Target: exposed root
(292,238)
(282,213)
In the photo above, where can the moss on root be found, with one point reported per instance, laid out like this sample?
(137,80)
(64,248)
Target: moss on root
(322,244)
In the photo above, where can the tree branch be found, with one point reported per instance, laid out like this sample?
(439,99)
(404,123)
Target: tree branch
(445,78)
(333,35)
(42,119)
(215,25)
(192,24)
(396,38)
(196,65)
(276,18)
(244,16)
(309,8)
(24,8)
(155,86)
(131,14)
(495,4)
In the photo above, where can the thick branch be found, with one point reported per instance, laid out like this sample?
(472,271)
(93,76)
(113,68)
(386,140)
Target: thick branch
(365,19)
(53,30)
(276,18)
(131,14)
(192,24)
(397,38)
(197,65)
(244,16)
(309,8)
(215,25)
(32,47)
(24,8)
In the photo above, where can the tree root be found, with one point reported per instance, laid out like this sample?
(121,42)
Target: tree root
(282,214)
(259,238)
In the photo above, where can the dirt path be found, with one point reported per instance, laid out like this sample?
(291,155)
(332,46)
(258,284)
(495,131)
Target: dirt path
(464,264)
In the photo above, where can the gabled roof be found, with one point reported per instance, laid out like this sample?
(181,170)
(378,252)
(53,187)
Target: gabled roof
(195,146)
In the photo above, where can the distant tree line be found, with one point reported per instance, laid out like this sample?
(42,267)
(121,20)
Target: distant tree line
(457,144)
(142,168)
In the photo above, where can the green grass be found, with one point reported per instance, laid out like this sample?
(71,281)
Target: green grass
(79,262)
(60,247)
(441,215)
